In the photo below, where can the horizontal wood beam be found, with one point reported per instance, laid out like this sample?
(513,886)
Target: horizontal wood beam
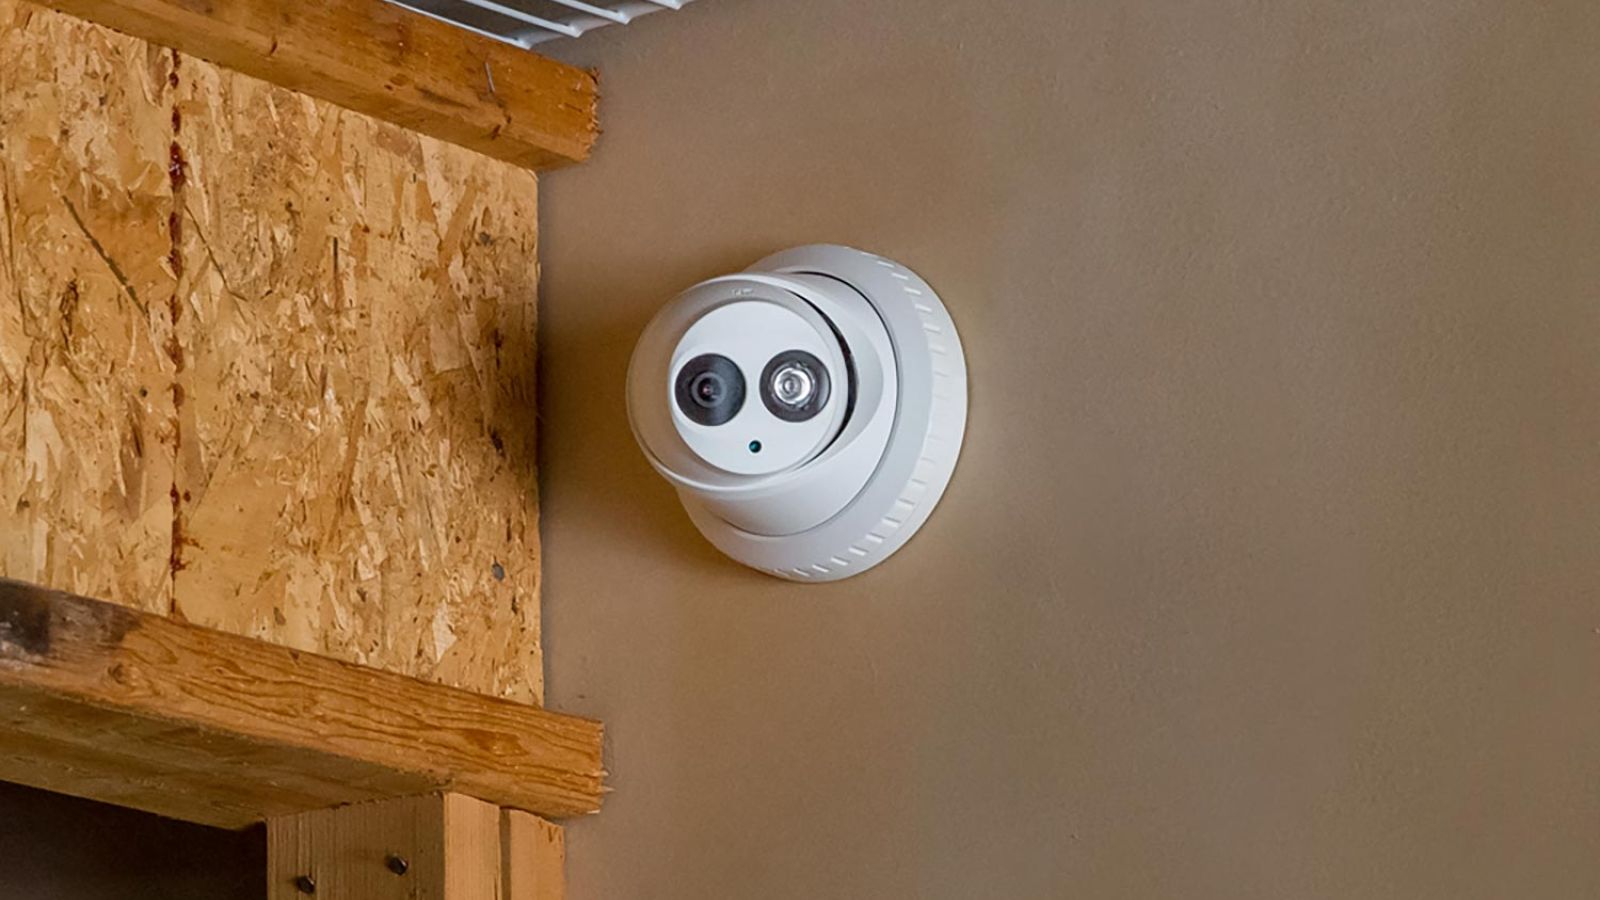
(126,707)
(382,60)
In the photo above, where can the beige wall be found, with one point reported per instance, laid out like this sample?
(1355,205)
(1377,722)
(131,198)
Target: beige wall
(1272,568)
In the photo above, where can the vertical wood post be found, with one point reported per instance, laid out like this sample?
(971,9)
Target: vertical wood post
(533,857)
(433,847)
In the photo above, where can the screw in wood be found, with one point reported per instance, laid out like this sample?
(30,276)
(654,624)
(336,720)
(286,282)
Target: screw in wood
(305,884)
(397,864)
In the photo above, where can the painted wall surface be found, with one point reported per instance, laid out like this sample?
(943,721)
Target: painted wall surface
(1272,568)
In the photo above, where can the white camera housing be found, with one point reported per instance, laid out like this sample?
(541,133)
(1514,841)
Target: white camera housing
(809,410)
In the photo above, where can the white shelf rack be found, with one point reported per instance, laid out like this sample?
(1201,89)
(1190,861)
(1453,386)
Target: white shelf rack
(525,23)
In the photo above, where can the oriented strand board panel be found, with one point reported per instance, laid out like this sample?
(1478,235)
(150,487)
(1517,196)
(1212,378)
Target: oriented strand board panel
(86,424)
(265,364)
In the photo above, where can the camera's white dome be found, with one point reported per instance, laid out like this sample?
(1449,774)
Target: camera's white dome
(809,410)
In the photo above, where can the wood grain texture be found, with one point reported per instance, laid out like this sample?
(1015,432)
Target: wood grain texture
(472,855)
(105,702)
(265,364)
(534,857)
(86,423)
(434,847)
(384,61)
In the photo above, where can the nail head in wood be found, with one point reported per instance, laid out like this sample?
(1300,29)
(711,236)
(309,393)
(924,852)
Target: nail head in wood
(397,864)
(305,884)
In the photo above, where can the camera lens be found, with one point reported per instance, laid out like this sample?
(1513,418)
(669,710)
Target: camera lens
(709,389)
(794,386)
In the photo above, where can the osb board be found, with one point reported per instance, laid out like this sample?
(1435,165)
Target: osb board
(265,364)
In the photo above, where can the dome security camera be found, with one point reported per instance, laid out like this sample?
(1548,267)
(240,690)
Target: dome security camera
(809,410)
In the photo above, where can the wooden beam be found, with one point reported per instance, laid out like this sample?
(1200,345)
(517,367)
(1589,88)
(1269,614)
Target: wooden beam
(387,62)
(438,847)
(534,857)
(127,707)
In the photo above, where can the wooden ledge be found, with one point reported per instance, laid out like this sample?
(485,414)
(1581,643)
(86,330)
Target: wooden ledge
(126,707)
(382,60)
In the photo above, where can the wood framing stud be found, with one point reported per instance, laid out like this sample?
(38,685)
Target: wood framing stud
(534,857)
(131,708)
(379,59)
(434,847)
(450,845)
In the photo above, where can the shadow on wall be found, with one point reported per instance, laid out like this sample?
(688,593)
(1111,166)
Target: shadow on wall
(653,530)
(54,847)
